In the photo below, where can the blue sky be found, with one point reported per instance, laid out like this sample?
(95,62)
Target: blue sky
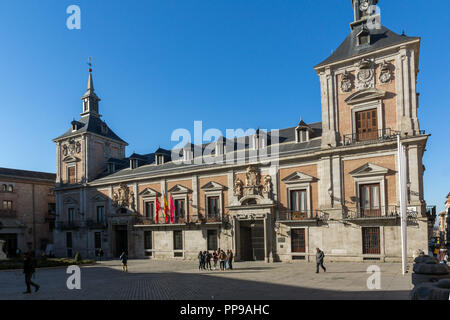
(160,65)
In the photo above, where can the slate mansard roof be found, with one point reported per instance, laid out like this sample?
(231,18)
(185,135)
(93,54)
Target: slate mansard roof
(379,39)
(25,174)
(286,145)
(92,124)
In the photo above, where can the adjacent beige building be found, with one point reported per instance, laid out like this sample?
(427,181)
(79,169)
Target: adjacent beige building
(331,184)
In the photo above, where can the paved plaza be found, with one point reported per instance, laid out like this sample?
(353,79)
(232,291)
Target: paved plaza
(168,280)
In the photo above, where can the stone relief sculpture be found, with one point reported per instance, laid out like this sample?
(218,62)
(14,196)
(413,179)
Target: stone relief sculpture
(123,198)
(238,188)
(385,73)
(346,83)
(268,184)
(71,148)
(365,75)
(253,178)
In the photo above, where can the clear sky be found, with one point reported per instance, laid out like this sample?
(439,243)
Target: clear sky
(161,64)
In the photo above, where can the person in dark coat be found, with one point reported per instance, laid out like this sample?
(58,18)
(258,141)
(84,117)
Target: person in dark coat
(124,258)
(208,257)
(200,260)
(215,257)
(319,260)
(29,265)
(230,259)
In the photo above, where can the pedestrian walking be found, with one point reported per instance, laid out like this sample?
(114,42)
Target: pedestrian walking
(124,258)
(29,268)
(200,260)
(230,260)
(215,257)
(222,258)
(319,260)
(208,260)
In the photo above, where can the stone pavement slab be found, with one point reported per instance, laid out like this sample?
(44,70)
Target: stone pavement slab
(167,280)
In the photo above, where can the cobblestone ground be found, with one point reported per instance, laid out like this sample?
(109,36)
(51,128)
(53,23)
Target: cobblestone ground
(168,280)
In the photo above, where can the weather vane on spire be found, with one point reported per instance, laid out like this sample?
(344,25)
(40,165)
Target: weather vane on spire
(90,64)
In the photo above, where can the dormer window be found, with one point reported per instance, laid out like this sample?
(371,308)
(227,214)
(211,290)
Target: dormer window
(104,128)
(363,37)
(303,132)
(134,163)
(159,159)
(74,125)
(111,168)
(302,135)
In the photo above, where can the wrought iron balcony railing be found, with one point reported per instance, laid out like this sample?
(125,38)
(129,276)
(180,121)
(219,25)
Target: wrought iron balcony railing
(93,224)
(8,213)
(370,137)
(290,215)
(69,225)
(392,211)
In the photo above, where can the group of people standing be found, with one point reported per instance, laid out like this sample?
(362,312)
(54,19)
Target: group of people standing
(224,258)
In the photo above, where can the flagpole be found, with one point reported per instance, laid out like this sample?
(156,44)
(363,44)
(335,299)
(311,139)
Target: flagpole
(402,199)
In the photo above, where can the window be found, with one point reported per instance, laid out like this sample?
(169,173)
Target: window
(298,240)
(213,207)
(159,159)
(371,240)
(111,167)
(10,188)
(70,215)
(147,240)
(178,240)
(366,125)
(100,214)
(298,202)
(71,175)
(212,240)
(370,202)
(149,209)
(98,240)
(134,164)
(302,135)
(7,205)
(179,208)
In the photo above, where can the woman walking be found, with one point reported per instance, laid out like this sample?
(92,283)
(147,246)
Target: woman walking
(215,258)
(200,260)
(124,258)
(222,258)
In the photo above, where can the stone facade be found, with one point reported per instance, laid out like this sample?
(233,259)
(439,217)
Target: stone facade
(27,212)
(334,184)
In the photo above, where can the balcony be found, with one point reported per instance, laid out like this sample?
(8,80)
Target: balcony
(370,137)
(8,213)
(94,224)
(308,215)
(66,225)
(358,213)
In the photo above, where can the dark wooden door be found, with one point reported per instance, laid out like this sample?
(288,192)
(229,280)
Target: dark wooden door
(371,240)
(298,240)
(366,125)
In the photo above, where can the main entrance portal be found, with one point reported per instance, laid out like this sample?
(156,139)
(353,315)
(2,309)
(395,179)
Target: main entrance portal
(252,240)
(121,237)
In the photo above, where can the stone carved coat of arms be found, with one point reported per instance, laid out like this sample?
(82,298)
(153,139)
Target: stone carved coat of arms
(71,148)
(123,198)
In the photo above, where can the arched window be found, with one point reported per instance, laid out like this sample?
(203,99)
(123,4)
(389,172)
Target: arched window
(4,187)
(10,188)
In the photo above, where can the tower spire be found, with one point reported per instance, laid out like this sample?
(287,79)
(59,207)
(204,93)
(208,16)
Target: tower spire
(90,99)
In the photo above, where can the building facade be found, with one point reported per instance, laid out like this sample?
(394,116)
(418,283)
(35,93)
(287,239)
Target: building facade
(331,184)
(444,221)
(28,210)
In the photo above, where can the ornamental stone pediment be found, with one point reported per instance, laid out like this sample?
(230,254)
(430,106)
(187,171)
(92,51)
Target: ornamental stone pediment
(368,170)
(365,95)
(179,189)
(69,200)
(99,198)
(70,159)
(149,192)
(298,177)
(213,186)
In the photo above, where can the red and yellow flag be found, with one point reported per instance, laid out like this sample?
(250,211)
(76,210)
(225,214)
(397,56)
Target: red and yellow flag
(158,209)
(166,208)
